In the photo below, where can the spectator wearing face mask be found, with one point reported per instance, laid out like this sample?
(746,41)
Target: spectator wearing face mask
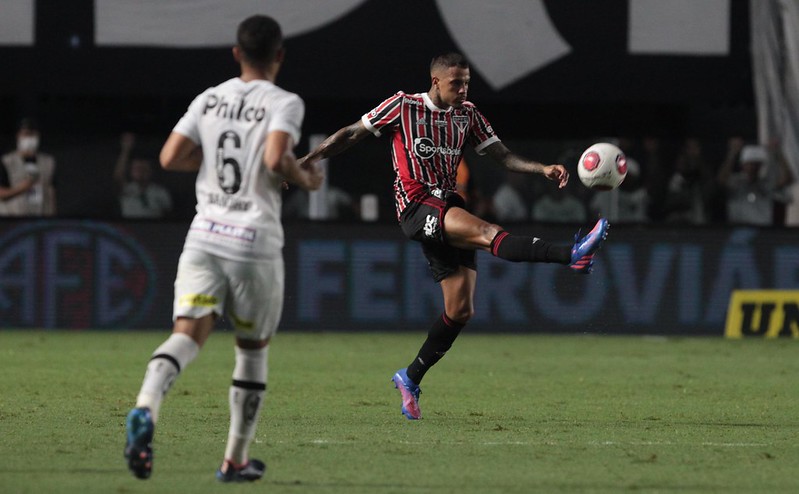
(27,176)
(757,184)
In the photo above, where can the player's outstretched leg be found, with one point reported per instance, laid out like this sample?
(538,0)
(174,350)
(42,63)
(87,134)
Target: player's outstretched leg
(252,470)
(410,394)
(139,446)
(582,254)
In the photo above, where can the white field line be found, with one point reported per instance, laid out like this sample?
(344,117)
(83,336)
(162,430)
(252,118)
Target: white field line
(669,443)
(533,443)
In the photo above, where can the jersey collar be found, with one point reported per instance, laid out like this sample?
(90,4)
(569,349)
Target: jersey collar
(429,103)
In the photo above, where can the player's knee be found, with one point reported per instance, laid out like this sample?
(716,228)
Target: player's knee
(251,344)
(462,313)
(489,231)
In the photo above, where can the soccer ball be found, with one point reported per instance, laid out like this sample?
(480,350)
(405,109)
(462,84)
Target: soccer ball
(602,166)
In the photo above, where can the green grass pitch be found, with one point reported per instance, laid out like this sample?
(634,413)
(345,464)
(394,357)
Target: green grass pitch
(502,414)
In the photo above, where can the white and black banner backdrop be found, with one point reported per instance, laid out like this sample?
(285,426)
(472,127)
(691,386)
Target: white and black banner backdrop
(541,69)
(775,61)
(505,40)
(204,23)
(521,51)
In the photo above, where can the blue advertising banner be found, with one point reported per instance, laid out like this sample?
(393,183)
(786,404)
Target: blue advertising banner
(646,281)
(357,277)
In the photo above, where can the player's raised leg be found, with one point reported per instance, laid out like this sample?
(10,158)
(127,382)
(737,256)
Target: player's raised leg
(465,230)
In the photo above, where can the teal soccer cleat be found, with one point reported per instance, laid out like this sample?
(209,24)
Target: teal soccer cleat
(139,447)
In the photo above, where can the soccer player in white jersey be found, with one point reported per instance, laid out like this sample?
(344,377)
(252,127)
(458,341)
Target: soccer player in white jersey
(239,136)
(428,132)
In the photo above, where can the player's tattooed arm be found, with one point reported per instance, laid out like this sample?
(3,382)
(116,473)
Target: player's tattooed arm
(512,161)
(339,142)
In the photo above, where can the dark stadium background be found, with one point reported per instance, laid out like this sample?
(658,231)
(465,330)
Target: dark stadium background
(89,269)
(86,95)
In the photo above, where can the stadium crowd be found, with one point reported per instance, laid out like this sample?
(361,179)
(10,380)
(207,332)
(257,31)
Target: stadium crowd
(672,181)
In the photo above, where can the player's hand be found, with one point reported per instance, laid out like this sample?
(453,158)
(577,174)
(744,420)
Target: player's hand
(127,140)
(27,183)
(557,173)
(305,163)
(735,144)
(315,176)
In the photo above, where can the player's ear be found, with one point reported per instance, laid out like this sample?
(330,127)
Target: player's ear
(280,55)
(237,53)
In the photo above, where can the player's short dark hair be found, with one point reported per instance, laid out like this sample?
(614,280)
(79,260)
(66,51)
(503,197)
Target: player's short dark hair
(260,38)
(449,60)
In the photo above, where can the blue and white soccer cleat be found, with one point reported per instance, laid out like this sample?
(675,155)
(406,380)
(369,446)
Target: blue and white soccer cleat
(410,394)
(583,250)
(139,446)
(252,470)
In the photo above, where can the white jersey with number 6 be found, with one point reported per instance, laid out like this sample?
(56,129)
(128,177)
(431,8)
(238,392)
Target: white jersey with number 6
(238,197)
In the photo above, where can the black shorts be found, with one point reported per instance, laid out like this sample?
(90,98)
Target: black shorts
(422,221)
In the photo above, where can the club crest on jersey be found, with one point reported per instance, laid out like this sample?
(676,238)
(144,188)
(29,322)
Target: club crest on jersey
(461,121)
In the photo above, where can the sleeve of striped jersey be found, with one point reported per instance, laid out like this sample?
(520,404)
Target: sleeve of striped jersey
(188,125)
(482,133)
(289,117)
(384,115)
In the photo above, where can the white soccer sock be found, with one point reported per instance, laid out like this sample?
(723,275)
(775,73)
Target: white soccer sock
(167,362)
(246,399)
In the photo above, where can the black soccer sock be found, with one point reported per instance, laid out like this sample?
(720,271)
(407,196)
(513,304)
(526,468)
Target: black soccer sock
(439,340)
(519,248)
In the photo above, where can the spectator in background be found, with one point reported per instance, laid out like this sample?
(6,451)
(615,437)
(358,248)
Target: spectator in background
(626,204)
(656,171)
(338,203)
(139,196)
(559,206)
(466,187)
(508,201)
(691,186)
(463,180)
(27,177)
(761,180)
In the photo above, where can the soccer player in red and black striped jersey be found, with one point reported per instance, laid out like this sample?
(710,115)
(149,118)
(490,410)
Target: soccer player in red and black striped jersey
(428,132)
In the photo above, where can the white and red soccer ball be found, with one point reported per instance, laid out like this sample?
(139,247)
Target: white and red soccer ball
(602,166)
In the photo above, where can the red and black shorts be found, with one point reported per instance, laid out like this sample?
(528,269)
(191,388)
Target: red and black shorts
(423,221)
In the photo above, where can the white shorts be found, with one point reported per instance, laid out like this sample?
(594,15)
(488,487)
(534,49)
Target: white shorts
(249,294)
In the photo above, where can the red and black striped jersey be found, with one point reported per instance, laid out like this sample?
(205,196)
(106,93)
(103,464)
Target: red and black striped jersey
(427,142)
